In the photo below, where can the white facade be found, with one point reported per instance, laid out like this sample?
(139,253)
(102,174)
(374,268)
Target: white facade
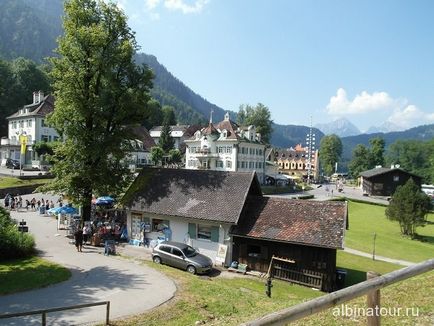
(226,147)
(181,230)
(177,133)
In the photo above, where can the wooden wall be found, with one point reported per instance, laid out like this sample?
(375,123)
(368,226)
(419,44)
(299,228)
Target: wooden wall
(257,255)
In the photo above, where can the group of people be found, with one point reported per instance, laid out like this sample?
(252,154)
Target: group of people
(16,203)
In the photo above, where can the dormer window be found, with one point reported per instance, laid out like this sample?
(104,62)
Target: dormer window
(225,133)
(197,134)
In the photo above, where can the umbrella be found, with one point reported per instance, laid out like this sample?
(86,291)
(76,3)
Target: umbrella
(62,210)
(104,200)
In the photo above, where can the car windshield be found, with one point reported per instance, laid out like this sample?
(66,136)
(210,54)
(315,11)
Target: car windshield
(189,251)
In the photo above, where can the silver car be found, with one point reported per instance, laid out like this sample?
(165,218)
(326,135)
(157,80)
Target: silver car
(182,256)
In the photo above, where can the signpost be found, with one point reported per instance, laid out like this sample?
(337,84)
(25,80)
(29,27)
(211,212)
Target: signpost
(22,227)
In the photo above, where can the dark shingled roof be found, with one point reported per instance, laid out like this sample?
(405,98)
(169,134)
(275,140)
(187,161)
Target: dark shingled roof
(41,109)
(182,128)
(377,171)
(198,194)
(313,223)
(143,135)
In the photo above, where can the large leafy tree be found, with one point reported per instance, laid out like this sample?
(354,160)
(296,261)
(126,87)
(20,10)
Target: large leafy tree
(330,152)
(259,116)
(359,161)
(409,206)
(100,93)
(376,155)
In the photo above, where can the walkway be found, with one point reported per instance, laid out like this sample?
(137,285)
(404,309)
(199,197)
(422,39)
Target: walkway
(130,287)
(386,259)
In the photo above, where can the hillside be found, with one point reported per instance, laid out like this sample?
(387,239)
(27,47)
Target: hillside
(29,28)
(290,135)
(425,132)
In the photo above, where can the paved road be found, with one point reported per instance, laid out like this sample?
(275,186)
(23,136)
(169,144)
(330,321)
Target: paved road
(386,259)
(131,288)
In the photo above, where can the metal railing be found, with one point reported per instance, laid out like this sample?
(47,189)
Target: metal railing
(370,287)
(43,312)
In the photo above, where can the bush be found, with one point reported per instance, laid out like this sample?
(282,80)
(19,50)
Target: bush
(13,244)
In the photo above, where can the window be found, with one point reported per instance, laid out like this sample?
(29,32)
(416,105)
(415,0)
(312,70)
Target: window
(14,125)
(203,232)
(219,164)
(228,149)
(43,123)
(44,138)
(229,164)
(177,252)
(158,225)
(21,123)
(221,149)
(396,178)
(238,164)
(165,249)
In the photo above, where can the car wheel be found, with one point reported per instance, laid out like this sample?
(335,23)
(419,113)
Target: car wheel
(157,260)
(191,269)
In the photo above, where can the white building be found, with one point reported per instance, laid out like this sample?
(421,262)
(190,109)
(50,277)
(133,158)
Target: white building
(28,123)
(226,147)
(179,134)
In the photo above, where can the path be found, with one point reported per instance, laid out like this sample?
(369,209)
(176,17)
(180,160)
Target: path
(130,287)
(386,259)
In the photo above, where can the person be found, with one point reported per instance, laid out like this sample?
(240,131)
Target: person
(33,203)
(51,204)
(27,204)
(39,205)
(78,236)
(86,232)
(7,199)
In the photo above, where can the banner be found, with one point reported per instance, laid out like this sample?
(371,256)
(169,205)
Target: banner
(23,142)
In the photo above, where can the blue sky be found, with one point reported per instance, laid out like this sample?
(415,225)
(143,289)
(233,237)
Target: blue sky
(369,61)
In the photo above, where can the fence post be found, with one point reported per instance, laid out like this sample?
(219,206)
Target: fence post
(107,316)
(373,302)
(44,319)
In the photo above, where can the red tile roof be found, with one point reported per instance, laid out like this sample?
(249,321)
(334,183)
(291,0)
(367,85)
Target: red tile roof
(311,223)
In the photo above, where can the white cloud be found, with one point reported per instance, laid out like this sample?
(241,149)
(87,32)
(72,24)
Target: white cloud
(151,4)
(181,5)
(364,102)
(377,106)
(410,116)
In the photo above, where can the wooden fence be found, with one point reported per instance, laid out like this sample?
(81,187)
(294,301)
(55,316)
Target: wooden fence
(43,312)
(370,287)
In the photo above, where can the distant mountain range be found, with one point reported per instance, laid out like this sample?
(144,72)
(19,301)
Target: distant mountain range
(29,28)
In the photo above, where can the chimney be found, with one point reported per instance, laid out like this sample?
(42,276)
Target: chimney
(37,97)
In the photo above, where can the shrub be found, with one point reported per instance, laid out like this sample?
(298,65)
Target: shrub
(13,243)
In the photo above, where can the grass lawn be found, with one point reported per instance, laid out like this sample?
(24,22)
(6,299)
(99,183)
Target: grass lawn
(231,301)
(6,182)
(30,273)
(357,267)
(365,219)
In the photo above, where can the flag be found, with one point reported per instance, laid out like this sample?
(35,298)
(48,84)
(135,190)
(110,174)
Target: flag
(23,142)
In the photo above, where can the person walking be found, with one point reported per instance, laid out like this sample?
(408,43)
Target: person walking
(78,236)
(86,231)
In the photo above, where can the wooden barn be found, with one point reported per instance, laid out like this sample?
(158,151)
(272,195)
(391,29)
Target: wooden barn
(307,233)
(384,181)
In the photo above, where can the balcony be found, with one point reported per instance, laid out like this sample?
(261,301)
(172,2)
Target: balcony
(205,153)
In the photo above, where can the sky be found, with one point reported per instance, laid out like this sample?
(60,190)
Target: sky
(371,62)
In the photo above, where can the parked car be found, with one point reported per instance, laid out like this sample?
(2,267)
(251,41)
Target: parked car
(12,164)
(182,256)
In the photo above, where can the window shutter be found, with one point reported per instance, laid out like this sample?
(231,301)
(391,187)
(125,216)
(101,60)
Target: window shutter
(214,234)
(192,230)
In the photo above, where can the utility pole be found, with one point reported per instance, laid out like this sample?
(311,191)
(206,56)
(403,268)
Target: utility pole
(310,142)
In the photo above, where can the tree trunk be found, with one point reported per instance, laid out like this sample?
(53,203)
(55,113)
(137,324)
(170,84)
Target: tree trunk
(86,207)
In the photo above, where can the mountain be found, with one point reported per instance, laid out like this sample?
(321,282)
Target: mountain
(424,133)
(285,136)
(191,108)
(341,127)
(384,127)
(29,28)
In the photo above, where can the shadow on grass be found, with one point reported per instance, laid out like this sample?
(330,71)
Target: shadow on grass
(424,238)
(354,276)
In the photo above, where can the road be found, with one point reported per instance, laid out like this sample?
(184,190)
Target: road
(130,287)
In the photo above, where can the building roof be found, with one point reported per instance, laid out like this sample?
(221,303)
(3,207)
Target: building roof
(42,108)
(231,128)
(378,171)
(314,223)
(198,194)
(182,128)
(142,134)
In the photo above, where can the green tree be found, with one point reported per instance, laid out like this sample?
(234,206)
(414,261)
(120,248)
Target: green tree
(155,115)
(259,116)
(359,161)
(169,115)
(376,155)
(330,152)
(409,206)
(157,155)
(175,156)
(100,93)
(166,141)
